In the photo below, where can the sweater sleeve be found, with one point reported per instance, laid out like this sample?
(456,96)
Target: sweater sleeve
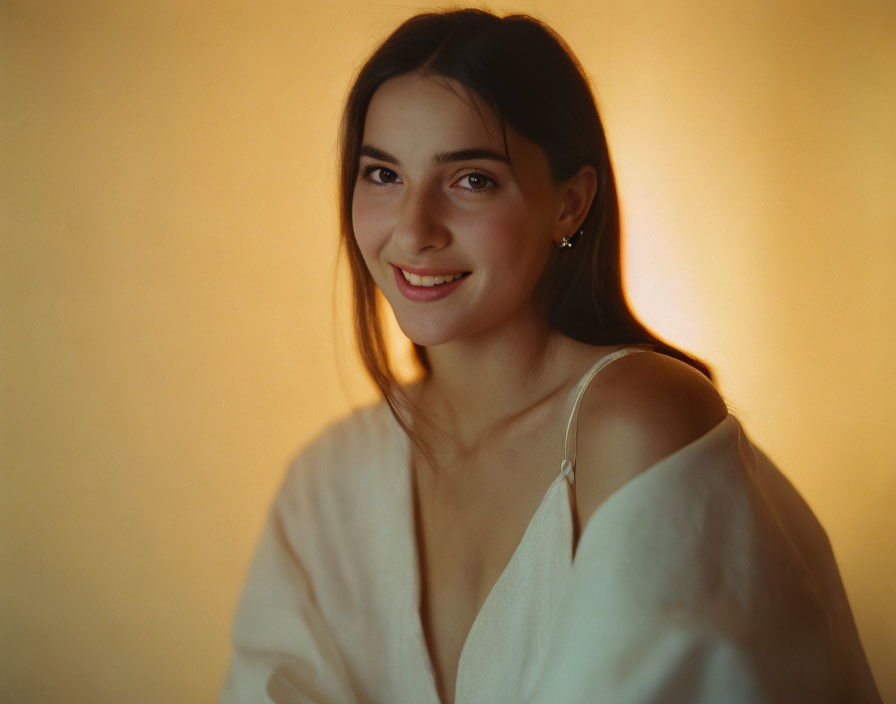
(283,650)
(686,588)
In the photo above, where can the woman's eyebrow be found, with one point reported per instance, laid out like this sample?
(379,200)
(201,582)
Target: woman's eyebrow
(470,155)
(441,158)
(378,154)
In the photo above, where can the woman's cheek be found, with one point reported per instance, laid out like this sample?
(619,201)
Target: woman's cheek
(362,222)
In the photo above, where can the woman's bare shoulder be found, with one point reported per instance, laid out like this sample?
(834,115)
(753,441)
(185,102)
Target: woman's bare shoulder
(638,410)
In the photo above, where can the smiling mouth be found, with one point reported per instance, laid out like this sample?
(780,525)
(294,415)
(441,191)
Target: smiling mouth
(430,281)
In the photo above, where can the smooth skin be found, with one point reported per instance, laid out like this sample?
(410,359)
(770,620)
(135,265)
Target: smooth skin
(437,192)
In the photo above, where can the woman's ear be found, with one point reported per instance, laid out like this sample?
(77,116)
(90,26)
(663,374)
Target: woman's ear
(576,196)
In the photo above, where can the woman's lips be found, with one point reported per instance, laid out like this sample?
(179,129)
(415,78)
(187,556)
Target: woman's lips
(419,284)
(428,280)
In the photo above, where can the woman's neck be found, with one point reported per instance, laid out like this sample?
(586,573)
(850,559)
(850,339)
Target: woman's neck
(477,385)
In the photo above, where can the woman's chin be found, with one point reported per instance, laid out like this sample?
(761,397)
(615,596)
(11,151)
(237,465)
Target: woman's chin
(424,338)
(429,333)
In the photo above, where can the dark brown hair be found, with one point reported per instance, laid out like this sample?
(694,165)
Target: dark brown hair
(527,75)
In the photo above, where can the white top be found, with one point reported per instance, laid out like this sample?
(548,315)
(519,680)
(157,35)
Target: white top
(704,579)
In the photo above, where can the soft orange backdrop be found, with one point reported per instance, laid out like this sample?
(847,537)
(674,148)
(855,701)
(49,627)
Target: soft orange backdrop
(169,336)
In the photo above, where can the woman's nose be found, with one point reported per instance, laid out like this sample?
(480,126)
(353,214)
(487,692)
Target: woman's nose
(421,221)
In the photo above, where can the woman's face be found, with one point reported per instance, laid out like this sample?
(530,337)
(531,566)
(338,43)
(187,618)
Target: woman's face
(454,227)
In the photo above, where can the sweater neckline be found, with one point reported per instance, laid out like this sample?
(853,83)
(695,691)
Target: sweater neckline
(563,480)
(414,603)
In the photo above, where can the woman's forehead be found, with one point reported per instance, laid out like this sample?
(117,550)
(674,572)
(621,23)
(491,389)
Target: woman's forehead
(430,111)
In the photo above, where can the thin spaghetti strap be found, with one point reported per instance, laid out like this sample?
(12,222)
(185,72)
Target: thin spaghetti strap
(567,466)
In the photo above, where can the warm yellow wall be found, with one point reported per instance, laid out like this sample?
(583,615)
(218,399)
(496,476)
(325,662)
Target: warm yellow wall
(168,248)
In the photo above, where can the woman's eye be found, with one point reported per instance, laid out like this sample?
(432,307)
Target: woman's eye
(380,175)
(475,182)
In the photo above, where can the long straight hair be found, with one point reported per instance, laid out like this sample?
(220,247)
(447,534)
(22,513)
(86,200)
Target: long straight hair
(531,80)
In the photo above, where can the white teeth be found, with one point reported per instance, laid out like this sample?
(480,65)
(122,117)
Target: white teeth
(428,281)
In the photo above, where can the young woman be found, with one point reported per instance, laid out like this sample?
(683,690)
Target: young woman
(561,509)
